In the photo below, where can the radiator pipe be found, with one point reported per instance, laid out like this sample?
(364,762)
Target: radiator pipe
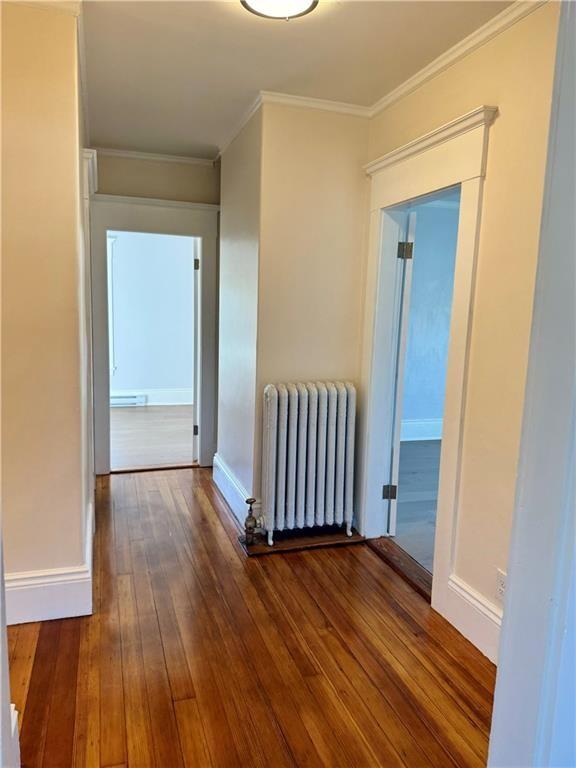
(250,524)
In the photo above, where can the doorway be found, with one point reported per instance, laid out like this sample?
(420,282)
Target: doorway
(122,230)
(426,261)
(451,156)
(152,349)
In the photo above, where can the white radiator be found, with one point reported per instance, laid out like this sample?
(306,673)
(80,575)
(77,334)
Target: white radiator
(308,455)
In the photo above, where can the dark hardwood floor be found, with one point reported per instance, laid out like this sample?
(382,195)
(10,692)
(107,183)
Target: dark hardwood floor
(197,655)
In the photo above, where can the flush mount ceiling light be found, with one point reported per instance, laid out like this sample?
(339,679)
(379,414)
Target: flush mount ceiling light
(279,9)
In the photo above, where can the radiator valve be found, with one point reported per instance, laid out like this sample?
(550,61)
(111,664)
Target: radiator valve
(250,524)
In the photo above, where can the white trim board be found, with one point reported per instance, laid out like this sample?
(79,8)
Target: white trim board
(273,97)
(54,593)
(139,214)
(420,429)
(476,617)
(494,27)
(91,173)
(175,396)
(246,115)
(452,155)
(11,751)
(153,201)
(232,489)
(154,157)
(480,117)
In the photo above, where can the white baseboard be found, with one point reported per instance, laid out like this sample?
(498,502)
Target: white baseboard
(421,429)
(158,396)
(11,751)
(231,488)
(53,593)
(476,617)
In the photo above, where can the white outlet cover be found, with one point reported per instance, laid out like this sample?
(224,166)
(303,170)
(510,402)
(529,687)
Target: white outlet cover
(500,584)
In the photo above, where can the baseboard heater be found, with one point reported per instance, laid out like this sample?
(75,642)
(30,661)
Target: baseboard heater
(123,401)
(308,456)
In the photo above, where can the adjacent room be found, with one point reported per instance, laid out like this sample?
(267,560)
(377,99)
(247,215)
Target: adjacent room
(423,340)
(152,341)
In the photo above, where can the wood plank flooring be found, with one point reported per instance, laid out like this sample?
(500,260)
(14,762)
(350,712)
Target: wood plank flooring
(151,436)
(197,655)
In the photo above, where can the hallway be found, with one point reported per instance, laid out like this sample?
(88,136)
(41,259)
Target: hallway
(196,656)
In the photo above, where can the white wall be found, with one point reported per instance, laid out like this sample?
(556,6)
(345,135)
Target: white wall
(151,306)
(429,319)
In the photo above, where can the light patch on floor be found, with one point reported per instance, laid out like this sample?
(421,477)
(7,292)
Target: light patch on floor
(417,499)
(151,436)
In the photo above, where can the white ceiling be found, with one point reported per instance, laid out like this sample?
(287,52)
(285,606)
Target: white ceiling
(176,77)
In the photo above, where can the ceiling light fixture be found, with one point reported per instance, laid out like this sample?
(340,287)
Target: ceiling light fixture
(279,9)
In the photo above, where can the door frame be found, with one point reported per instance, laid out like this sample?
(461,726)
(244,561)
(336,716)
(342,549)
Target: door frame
(147,215)
(453,154)
(400,320)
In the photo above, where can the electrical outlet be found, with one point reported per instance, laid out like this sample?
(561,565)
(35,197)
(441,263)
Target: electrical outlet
(500,584)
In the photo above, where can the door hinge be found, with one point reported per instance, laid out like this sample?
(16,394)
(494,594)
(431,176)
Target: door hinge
(405,250)
(389,491)
(196,263)
(195,431)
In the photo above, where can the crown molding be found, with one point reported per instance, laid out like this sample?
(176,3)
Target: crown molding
(272,97)
(252,109)
(477,117)
(287,100)
(500,23)
(128,154)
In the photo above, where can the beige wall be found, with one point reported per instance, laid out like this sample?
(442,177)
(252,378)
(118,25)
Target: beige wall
(41,440)
(513,72)
(192,183)
(313,223)
(294,210)
(239,254)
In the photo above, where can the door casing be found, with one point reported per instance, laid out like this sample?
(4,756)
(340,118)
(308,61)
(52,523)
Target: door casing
(454,154)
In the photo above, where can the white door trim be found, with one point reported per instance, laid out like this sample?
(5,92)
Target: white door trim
(109,212)
(401,334)
(451,155)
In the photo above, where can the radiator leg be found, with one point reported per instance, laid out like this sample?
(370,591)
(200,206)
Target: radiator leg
(270,538)
(348,529)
